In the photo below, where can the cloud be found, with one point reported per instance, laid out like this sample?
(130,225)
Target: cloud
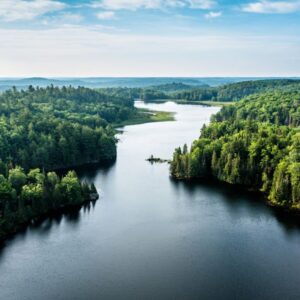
(71,18)
(106,15)
(63,18)
(213,14)
(202,4)
(151,4)
(272,7)
(127,4)
(94,51)
(19,10)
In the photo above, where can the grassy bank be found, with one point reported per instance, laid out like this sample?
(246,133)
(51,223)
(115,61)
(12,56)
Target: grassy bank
(147,116)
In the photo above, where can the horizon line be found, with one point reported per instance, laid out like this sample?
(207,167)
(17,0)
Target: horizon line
(150,76)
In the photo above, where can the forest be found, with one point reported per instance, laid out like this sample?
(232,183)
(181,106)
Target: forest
(55,128)
(254,143)
(224,93)
(27,196)
(47,129)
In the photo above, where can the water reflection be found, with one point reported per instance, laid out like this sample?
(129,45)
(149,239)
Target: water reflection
(42,227)
(237,199)
(89,173)
(290,222)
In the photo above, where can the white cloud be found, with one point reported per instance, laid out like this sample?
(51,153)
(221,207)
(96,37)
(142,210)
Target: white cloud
(17,10)
(213,14)
(152,4)
(93,51)
(127,4)
(63,18)
(71,18)
(106,15)
(202,4)
(269,7)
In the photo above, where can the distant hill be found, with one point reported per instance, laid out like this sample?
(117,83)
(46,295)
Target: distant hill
(176,86)
(129,82)
(23,83)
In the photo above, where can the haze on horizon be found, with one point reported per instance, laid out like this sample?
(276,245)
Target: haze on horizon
(141,38)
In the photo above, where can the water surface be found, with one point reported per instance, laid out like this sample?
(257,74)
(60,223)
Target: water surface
(151,238)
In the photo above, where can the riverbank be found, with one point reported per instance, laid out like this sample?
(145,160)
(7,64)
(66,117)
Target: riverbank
(147,116)
(212,181)
(19,227)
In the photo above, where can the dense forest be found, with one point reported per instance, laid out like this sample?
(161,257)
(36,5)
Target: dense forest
(224,93)
(48,129)
(254,143)
(56,128)
(162,91)
(26,196)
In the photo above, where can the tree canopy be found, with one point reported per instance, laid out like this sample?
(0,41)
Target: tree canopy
(224,93)
(44,129)
(59,127)
(254,143)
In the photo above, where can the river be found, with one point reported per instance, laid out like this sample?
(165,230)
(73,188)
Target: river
(148,237)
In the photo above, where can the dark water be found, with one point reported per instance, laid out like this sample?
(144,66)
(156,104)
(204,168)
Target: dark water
(151,238)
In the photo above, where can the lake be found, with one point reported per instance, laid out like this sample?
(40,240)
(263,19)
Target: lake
(149,237)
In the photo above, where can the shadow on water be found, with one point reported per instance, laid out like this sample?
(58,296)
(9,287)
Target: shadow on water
(90,171)
(236,198)
(42,227)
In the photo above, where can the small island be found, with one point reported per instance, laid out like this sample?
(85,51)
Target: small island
(153,160)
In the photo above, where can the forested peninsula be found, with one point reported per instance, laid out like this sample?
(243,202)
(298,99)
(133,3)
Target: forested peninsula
(254,143)
(48,129)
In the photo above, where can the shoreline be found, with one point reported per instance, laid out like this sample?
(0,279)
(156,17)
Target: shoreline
(292,211)
(147,116)
(42,217)
(189,102)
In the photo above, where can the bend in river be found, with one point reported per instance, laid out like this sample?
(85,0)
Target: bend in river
(149,237)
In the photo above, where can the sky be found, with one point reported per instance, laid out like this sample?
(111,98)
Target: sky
(201,38)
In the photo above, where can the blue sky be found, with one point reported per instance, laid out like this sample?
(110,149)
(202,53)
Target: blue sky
(149,38)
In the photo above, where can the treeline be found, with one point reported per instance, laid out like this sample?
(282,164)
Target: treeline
(56,128)
(224,93)
(254,143)
(26,196)
(53,128)
(123,93)
(162,91)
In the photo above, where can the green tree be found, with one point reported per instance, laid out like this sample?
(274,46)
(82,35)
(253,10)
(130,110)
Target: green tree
(17,178)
